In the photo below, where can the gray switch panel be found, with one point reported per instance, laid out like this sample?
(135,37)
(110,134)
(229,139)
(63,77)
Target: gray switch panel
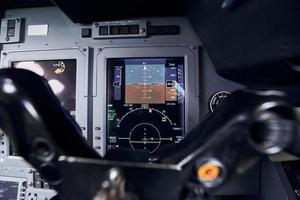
(10,30)
(119,29)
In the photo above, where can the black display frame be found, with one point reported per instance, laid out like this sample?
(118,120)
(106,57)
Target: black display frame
(180,60)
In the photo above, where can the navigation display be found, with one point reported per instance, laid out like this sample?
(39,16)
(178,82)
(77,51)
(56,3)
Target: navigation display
(9,190)
(61,76)
(145,102)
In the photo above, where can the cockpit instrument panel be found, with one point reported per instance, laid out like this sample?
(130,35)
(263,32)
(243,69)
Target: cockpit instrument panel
(61,76)
(145,102)
(9,190)
(12,188)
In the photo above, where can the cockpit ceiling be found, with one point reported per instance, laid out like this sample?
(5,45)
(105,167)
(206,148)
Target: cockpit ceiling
(86,11)
(12,4)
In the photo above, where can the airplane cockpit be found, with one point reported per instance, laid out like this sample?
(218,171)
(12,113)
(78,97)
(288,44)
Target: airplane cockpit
(149,100)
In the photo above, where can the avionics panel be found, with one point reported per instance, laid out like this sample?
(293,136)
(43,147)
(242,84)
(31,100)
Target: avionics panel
(12,188)
(61,76)
(145,102)
(144,97)
(67,73)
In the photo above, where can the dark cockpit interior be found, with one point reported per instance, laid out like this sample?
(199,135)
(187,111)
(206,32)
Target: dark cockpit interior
(149,100)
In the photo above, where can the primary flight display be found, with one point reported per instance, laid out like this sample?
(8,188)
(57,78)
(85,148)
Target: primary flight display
(145,102)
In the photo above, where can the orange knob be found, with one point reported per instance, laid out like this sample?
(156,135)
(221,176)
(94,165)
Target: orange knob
(208,172)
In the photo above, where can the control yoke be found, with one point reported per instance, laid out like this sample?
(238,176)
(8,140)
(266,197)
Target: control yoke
(249,124)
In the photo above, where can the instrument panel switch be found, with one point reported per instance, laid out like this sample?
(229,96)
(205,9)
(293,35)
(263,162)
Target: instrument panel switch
(103,30)
(86,33)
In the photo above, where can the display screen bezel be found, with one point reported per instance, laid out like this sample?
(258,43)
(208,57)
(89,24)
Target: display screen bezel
(182,60)
(192,84)
(82,55)
(19,181)
(72,110)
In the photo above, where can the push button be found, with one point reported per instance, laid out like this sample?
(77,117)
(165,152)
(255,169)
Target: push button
(103,30)
(11,24)
(124,30)
(134,29)
(114,30)
(86,33)
(10,32)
